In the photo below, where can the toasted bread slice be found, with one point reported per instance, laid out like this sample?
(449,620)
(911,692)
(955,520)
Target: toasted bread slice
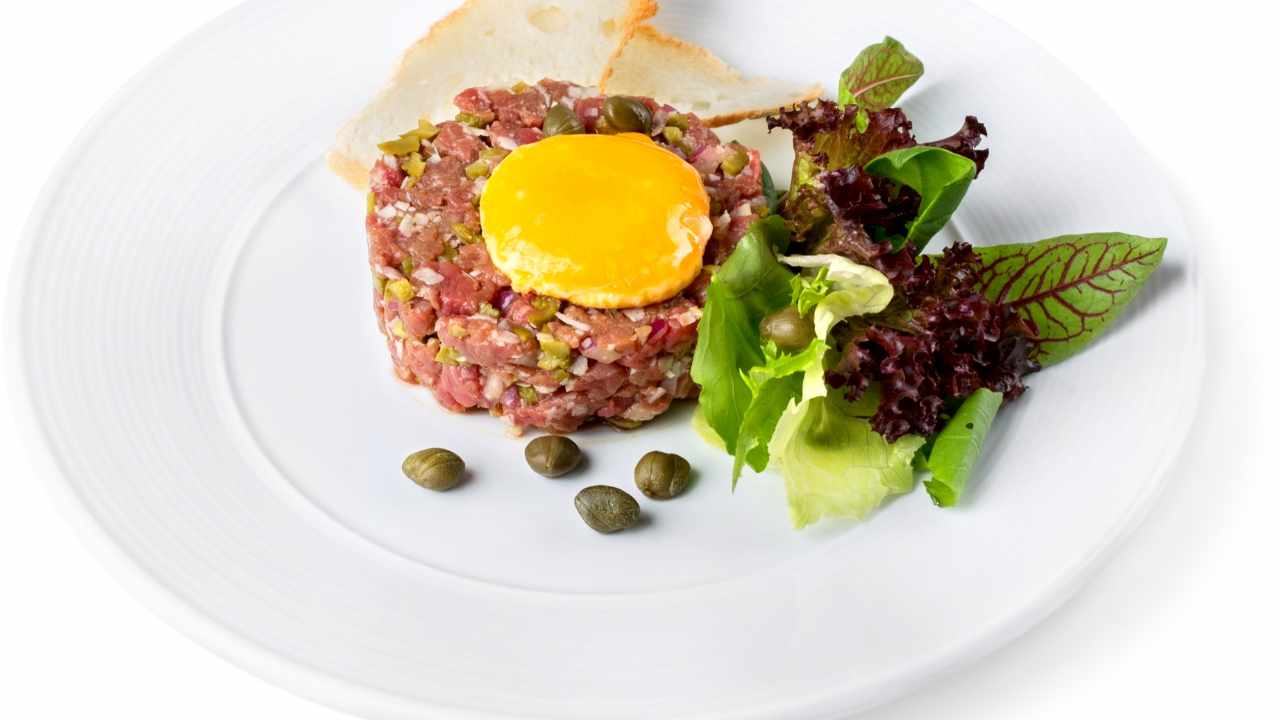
(572,40)
(670,70)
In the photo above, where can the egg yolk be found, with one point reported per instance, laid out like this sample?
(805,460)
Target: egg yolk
(604,221)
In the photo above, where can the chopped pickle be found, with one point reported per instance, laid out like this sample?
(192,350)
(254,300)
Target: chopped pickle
(520,87)
(561,375)
(448,253)
(426,130)
(397,329)
(527,394)
(406,266)
(458,330)
(544,308)
(524,333)
(466,234)
(555,353)
(678,120)
(402,145)
(493,153)
(477,169)
(371,204)
(489,310)
(379,282)
(401,289)
(475,121)
(672,134)
(449,356)
(734,162)
(414,165)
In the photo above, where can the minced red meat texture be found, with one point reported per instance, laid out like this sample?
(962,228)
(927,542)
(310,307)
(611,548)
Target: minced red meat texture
(451,319)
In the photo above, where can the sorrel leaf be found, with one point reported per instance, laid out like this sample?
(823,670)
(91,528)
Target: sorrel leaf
(1070,287)
(879,75)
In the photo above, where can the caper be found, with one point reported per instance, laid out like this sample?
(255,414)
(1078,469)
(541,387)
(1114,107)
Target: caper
(607,509)
(626,114)
(788,329)
(562,120)
(552,455)
(662,476)
(434,468)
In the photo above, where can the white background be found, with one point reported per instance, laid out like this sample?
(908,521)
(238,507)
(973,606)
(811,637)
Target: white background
(1182,623)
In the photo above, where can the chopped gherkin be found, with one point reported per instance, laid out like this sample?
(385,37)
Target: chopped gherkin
(371,204)
(475,121)
(555,353)
(493,153)
(520,87)
(379,282)
(406,265)
(466,234)
(401,289)
(397,329)
(678,120)
(489,310)
(457,330)
(448,252)
(544,308)
(477,169)
(527,394)
(672,134)
(426,130)
(402,145)
(414,165)
(449,356)
(524,333)
(734,162)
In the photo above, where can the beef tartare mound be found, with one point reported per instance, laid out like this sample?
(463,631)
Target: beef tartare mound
(453,322)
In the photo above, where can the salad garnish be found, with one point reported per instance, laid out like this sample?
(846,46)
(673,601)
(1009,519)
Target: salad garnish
(835,350)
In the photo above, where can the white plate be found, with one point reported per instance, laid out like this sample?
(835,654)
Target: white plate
(195,349)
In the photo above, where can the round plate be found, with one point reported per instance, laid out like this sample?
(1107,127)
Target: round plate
(190,333)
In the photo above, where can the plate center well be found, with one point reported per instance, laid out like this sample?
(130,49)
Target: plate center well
(314,386)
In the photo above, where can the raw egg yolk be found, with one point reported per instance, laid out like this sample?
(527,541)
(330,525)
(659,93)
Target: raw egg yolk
(604,221)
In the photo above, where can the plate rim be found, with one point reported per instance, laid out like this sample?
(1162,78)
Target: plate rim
(303,680)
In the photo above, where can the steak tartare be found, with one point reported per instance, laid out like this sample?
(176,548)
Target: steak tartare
(452,321)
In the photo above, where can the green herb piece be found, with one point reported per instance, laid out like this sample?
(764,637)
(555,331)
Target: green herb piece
(748,286)
(956,449)
(771,194)
(879,75)
(1070,287)
(940,176)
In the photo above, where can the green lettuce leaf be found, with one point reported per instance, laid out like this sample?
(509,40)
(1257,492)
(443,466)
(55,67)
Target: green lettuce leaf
(879,75)
(940,176)
(846,289)
(750,285)
(956,449)
(1070,287)
(834,464)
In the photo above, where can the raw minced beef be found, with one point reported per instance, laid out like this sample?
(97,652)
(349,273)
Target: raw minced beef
(451,319)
